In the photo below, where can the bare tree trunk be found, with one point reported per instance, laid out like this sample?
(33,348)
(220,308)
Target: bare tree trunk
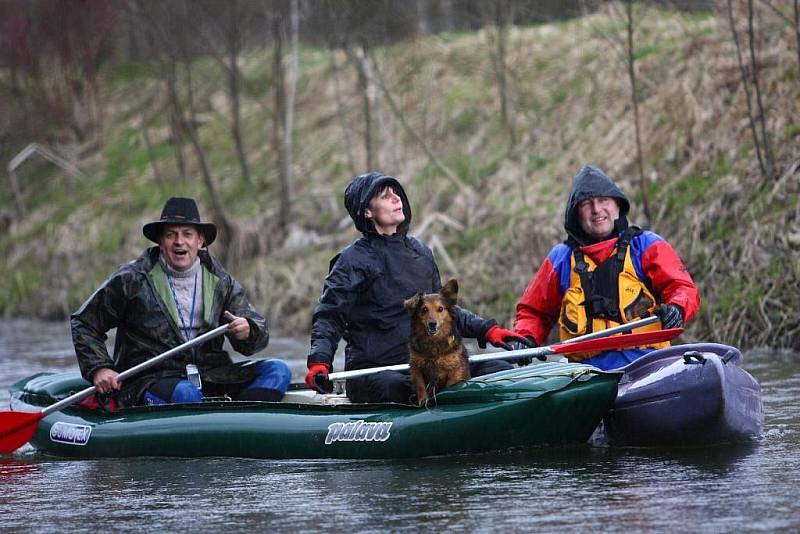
(155,25)
(635,102)
(340,114)
(234,83)
(220,217)
(448,21)
(421,14)
(503,17)
(277,76)
(746,86)
(797,28)
(754,68)
(152,157)
(279,117)
(175,119)
(288,121)
(502,37)
(225,28)
(360,60)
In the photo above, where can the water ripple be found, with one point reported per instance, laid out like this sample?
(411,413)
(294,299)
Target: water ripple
(752,486)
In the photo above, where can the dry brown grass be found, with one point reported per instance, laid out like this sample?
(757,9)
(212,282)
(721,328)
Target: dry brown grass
(570,106)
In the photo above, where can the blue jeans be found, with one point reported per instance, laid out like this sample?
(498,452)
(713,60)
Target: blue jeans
(271,382)
(273,375)
(616,358)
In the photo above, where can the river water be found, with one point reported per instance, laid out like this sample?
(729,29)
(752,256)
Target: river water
(752,487)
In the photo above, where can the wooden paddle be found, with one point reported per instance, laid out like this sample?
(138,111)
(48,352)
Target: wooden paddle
(622,341)
(17,428)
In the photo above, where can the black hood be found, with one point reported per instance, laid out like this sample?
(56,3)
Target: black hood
(360,192)
(592,182)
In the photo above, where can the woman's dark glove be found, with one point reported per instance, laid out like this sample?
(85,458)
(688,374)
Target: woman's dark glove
(317,378)
(526,360)
(671,316)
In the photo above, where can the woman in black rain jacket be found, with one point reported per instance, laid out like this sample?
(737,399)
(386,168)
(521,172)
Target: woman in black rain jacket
(363,294)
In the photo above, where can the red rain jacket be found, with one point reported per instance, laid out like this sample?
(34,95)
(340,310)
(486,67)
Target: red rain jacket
(656,264)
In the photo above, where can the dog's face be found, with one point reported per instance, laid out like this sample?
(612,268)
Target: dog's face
(433,313)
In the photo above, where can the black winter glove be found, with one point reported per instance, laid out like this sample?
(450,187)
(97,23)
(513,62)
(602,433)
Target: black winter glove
(526,360)
(671,316)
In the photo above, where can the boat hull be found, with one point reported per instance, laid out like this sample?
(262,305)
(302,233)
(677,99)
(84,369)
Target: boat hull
(535,405)
(685,395)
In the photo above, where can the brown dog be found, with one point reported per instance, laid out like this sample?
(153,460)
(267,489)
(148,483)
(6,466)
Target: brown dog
(437,357)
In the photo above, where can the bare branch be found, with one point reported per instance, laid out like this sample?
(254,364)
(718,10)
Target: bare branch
(778,12)
(288,123)
(794,23)
(359,59)
(754,70)
(449,174)
(746,86)
(340,114)
(497,34)
(635,101)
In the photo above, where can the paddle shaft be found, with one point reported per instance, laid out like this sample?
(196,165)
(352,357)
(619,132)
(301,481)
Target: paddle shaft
(572,346)
(600,334)
(623,328)
(137,368)
(510,354)
(538,351)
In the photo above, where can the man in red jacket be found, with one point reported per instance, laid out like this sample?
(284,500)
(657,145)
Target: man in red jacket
(606,273)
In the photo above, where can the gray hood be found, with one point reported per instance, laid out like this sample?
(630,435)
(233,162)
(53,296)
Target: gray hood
(592,182)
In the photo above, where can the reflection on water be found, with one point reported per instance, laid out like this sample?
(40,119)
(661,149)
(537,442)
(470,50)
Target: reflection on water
(713,489)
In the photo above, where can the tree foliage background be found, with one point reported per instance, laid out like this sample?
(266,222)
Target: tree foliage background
(264,110)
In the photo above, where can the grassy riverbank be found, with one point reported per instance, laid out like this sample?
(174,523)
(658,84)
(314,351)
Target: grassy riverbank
(569,104)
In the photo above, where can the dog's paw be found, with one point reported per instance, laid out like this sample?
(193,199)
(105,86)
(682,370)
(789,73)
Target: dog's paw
(422,401)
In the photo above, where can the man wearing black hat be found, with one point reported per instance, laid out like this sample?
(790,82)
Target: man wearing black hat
(605,273)
(170,294)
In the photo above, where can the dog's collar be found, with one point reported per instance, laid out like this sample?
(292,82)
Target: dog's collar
(436,347)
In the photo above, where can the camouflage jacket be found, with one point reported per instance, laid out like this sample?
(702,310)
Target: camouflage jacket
(135,302)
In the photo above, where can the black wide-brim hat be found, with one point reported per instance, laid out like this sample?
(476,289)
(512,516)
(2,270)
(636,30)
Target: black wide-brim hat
(181,211)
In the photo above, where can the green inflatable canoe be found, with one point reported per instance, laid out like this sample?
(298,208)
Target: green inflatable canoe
(549,403)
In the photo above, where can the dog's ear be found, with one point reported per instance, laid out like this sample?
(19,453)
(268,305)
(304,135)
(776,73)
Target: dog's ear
(450,291)
(412,303)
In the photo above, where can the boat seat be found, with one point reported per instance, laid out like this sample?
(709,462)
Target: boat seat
(312,397)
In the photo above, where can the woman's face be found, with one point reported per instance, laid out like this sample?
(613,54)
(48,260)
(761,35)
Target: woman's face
(386,211)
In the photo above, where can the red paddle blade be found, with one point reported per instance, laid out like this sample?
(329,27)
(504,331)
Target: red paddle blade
(622,341)
(17,429)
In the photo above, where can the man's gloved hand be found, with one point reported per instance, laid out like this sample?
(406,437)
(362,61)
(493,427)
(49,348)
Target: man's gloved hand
(317,378)
(526,360)
(500,337)
(671,316)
